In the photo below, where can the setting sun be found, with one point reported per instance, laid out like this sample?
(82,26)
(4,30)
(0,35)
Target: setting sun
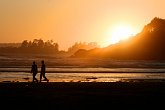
(120,33)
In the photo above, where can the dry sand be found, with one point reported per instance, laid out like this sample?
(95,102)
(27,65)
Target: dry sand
(82,95)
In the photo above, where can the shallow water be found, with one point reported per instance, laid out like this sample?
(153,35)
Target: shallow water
(74,74)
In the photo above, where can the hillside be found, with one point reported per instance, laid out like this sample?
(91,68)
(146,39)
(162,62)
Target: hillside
(147,45)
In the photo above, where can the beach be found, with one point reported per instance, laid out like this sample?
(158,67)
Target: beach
(121,84)
(83,95)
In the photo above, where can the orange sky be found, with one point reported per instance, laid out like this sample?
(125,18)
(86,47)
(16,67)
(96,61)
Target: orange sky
(70,21)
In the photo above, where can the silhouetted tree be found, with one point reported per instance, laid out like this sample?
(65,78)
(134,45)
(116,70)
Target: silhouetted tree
(40,43)
(24,44)
(38,46)
(84,45)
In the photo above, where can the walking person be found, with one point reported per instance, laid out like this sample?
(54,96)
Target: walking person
(43,69)
(34,71)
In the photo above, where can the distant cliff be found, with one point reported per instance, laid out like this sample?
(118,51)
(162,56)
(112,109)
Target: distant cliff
(149,44)
(10,45)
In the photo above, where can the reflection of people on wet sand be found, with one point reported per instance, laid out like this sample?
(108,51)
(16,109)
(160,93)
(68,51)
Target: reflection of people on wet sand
(34,71)
(43,68)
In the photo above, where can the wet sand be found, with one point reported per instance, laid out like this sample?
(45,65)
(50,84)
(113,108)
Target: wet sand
(82,95)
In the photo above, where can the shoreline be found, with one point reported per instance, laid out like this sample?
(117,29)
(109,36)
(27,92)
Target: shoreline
(113,81)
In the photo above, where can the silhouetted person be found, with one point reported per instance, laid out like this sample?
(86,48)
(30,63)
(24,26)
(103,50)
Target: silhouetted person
(43,68)
(34,71)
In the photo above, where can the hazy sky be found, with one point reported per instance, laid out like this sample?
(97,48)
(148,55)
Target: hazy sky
(70,21)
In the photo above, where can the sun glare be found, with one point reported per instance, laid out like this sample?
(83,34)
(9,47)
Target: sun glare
(119,33)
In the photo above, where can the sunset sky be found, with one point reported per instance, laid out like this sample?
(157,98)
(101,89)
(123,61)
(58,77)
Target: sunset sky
(70,21)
